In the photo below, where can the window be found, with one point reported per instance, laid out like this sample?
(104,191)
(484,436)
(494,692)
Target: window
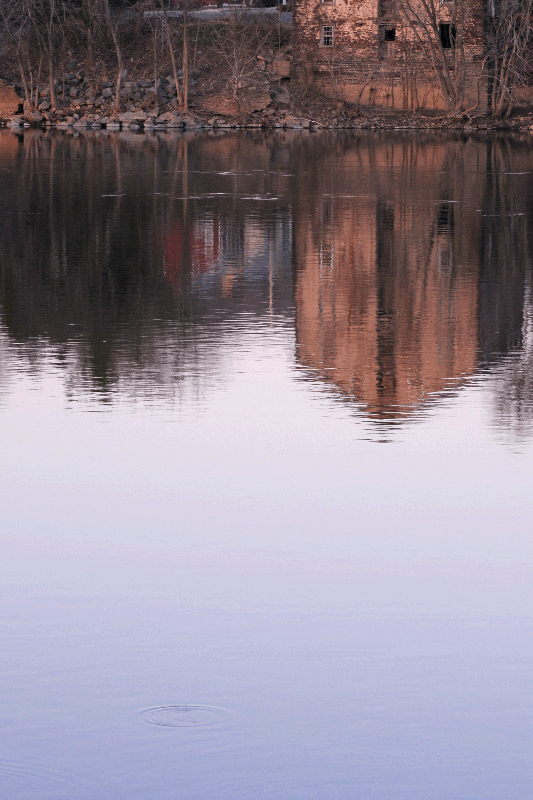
(387,8)
(327,35)
(328,2)
(386,39)
(447,34)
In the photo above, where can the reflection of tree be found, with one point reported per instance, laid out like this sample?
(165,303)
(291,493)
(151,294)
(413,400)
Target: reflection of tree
(506,299)
(505,253)
(514,381)
(127,255)
(89,257)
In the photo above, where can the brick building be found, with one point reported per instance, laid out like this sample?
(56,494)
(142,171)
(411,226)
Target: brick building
(394,53)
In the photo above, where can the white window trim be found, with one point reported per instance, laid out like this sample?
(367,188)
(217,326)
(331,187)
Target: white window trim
(322,34)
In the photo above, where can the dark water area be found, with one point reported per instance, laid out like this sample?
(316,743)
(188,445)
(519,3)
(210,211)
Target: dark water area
(266,404)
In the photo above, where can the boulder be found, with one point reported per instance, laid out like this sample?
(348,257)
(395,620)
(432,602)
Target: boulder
(9,101)
(176,122)
(34,117)
(132,116)
(249,101)
(281,67)
(281,96)
(171,120)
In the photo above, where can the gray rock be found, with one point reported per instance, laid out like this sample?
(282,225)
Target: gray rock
(175,122)
(132,116)
(281,96)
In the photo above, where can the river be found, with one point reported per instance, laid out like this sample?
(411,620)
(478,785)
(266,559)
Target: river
(266,403)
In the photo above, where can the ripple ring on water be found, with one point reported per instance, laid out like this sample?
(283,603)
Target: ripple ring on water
(185,716)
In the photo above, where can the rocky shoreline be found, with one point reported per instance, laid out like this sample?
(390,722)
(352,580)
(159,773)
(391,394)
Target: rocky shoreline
(152,106)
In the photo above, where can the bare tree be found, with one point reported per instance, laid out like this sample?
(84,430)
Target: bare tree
(439,39)
(185,59)
(510,28)
(15,25)
(168,35)
(44,20)
(118,50)
(239,38)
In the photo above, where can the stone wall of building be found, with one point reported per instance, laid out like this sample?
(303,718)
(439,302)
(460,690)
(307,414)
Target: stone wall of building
(367,52)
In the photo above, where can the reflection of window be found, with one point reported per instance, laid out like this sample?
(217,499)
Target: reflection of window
(445,218)
(444,254)
(445,227)
(447,34)
(327,36)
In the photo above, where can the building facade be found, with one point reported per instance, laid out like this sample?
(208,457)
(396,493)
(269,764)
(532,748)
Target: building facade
(405,54)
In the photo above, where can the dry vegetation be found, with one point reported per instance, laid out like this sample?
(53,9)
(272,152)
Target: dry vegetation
(98,56)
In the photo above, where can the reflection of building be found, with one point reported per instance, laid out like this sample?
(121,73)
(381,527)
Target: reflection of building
(404,259)
(387,278)
(213,256)
(193,246)
(9,147)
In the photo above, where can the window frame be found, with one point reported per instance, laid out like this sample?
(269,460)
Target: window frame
(324,36)
(387,46)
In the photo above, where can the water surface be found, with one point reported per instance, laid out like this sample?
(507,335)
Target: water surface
(266,404)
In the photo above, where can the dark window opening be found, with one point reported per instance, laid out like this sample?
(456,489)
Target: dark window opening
(389,35)
(447,35)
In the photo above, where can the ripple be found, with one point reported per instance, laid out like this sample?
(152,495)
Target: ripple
(26,774)
(185,716)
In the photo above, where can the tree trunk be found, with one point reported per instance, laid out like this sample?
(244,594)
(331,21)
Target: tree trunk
(185,60)
(171,51)
(117,50)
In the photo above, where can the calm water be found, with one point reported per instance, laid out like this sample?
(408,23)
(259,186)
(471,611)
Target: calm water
(266,482)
